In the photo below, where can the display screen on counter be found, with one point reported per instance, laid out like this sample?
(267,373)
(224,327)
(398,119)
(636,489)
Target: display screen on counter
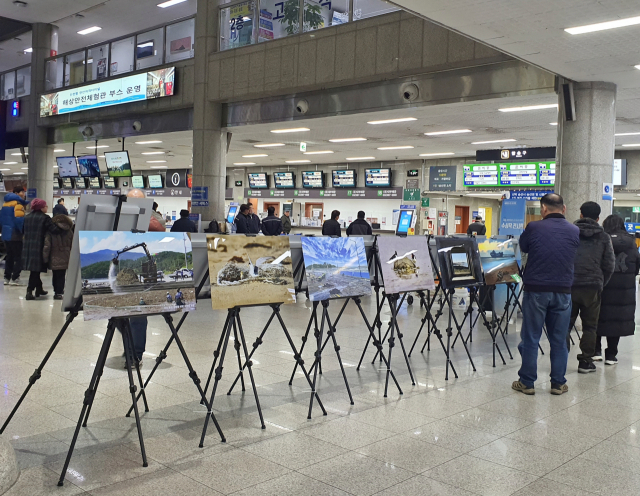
(66,183)
(258,180)
(155,181)
(233,209)
(284,180)
(377,178)
(514,175)
(313,179)
(137,182)
(109,182)
(94,183)
(67,166)
(404,222)
(344,178)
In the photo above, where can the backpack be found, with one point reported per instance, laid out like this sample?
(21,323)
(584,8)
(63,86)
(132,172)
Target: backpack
(213,227)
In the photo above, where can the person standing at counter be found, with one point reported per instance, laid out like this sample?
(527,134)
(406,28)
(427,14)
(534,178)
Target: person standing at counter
(359,227)
(477,228)
(242,220)
(286,222)
(331,227)
(60,209)
(184,223)
(253,221)
(272,225)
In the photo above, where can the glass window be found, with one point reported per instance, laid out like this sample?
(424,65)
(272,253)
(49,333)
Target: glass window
(74,68)
(7,86)
(97,62)
(23,81)
(180,39)
(121,56)
(54,70)
(324,13)
(236,25)
(370,8)
(149,48)
(278,18)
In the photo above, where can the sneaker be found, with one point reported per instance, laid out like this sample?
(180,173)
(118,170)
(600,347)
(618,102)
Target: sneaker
(559,389)
(597,357)
(585,367)
(611,361)
(17,282)
(518,386)
(7,281)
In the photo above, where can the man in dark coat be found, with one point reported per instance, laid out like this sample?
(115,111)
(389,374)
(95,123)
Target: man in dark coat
(478,228)
(242,220)
(184,223)
(359,226)
(253,221)
(551,244)
(331,227)
(618,305)
(593,267)
(286,221)
(272,225)
(60,209)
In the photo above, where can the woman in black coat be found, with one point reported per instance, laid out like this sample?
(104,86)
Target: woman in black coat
(618,307)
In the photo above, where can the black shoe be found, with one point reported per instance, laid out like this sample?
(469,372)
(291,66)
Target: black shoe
(585,367)
(611,361)
(41,292)
(57,297)
(29,296)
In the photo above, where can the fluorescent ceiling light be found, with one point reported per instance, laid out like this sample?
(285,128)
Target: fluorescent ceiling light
(291,130)
(55,167)
(94,147)
(529,107)
(455,131)
(9,163)
(18,173)
(492,141)
(393,121)
(90,30)
(436,154)
(9,169)
(28,50)
(346,140)
(361,158)
(24,168)
(628,134)
(637,66)
(408,147)
(628,144)
(170,3)
(323,152)
(16,154)
(553,123)
(269,145)
(156,161)
(257,155)
(58,150)
(158,167)
(147,142)
(244,163)
(152,153)
(297,161)
(601,26)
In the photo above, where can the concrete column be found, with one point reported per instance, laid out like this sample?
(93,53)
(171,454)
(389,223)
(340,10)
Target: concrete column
(40,174)
(209,138)
(586,147)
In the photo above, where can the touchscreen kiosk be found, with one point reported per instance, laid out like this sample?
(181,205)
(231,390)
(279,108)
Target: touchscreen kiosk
(231,216)
(405,221)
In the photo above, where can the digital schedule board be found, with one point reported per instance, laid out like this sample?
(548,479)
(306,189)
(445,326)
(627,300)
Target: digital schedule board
(313,179)
(258,180)
(505,175)
(377,178)
(284,180)
(344,178)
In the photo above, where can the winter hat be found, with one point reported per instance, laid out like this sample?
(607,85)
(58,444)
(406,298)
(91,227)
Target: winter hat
(38,204)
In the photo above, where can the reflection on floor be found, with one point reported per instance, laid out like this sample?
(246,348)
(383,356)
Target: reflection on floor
(473,435)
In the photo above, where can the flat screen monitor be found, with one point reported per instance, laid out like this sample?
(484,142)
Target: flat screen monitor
(258,180)
(313,179)
(284,180)
(66,183)
(344,178)
(137,181)
(88,165)
(109,182)
(155,181)
(377,178)
(118,163)
(231,216)
(67,166)
(94,183)
(404,221)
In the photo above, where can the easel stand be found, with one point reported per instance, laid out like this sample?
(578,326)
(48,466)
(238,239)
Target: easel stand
(494,325)
(428,302)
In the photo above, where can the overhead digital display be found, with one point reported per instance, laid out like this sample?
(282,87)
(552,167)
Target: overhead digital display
(284,180)
(67,166)
(155,181)
(258,180)
(88,165)
(377,178)
(94,183)
(137,182)
(118,163)
(66,183)
(313,179)
(344,178)
(509,175)
(109,182)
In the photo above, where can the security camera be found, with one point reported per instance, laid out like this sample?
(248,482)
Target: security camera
(302,106)
(137,125)
(87,132)
(410,92)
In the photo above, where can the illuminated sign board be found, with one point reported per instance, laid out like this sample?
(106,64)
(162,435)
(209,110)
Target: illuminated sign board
(510,175)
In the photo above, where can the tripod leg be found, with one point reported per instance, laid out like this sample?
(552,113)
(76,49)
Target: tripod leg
(89,394)
(332,332)
(392,301)
(249,365)
(236,346)
(318,355)
(137,364)
(404,352)
(312,319)
(422,324)
(378,310)
(216,354)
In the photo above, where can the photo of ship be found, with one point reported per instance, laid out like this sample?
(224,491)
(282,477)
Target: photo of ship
(498,258)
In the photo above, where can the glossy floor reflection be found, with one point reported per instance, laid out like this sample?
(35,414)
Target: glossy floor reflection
(471,435)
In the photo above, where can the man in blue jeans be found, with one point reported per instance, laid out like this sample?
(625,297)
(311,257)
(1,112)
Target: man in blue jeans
(551,245)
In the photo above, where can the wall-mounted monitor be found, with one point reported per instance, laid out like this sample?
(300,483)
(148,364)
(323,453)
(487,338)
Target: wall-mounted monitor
(137,181)
(94,183)
(155,181)
(66,183)
(313,179)
(109,182)
(377,178)
(67,166)
(284,180)
(88,166)
(118,163)
(344,178)
(259,180)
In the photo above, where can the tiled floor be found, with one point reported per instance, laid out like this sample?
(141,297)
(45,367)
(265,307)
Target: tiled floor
(471,435)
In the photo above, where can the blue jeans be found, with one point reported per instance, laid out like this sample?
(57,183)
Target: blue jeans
(554,310)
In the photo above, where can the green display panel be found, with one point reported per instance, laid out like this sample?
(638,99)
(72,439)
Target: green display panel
(510,175)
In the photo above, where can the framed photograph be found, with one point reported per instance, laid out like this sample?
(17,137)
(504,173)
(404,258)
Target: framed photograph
(145,49)
(498,257)
(406,265)
(459,261)
(180,45)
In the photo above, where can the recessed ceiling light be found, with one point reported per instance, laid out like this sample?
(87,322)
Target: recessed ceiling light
(28,50)
(628,134)
(244,163)
(90,30)
(156,161)
(18,173)
(147,142)
(361,158)
(59,150)
(322,152)
(408,147)
(16,154)
(346,140)
(601,26)
(553,123)
(9,169)
(297,161)
(24,168)
(455,131)
(99,146)
(9,163)
(628,144)
(55,166)
(393,121)
(269,145)
(291,130)
(158,167)
(257,155)
(529,107)
(152,153)
(169,3)
(492,141)
(436,154)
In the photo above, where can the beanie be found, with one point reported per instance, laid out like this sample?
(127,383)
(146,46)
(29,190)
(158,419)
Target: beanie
(38,204)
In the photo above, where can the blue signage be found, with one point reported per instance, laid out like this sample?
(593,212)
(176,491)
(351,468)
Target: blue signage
(632,227)
(32,193)
(512,217)
(529,194)
(200,196)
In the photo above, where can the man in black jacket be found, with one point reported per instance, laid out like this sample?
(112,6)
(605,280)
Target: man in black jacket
(477,227)
(242,220)
(60,209)
(272,225)
(593,267)
(331,227)
(359,226)
(184,223)
(253,221)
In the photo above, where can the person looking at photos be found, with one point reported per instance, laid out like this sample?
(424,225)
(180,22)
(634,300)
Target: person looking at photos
(331,227)
(359,227)
(551,245)
(477,228)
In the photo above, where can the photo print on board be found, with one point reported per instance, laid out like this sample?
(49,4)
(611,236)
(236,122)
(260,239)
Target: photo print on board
(406,265)
(498,257)
(459,261)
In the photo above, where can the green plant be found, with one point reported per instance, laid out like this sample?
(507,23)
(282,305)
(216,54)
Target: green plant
(312,16)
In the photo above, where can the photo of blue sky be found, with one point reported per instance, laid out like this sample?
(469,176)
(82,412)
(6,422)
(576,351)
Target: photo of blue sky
(340,252)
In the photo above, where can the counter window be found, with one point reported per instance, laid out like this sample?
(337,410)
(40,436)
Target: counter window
(149,48)
(54,71)
(236,25)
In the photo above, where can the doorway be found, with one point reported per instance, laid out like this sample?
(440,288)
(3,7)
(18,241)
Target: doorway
(462,219)
(275,205)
